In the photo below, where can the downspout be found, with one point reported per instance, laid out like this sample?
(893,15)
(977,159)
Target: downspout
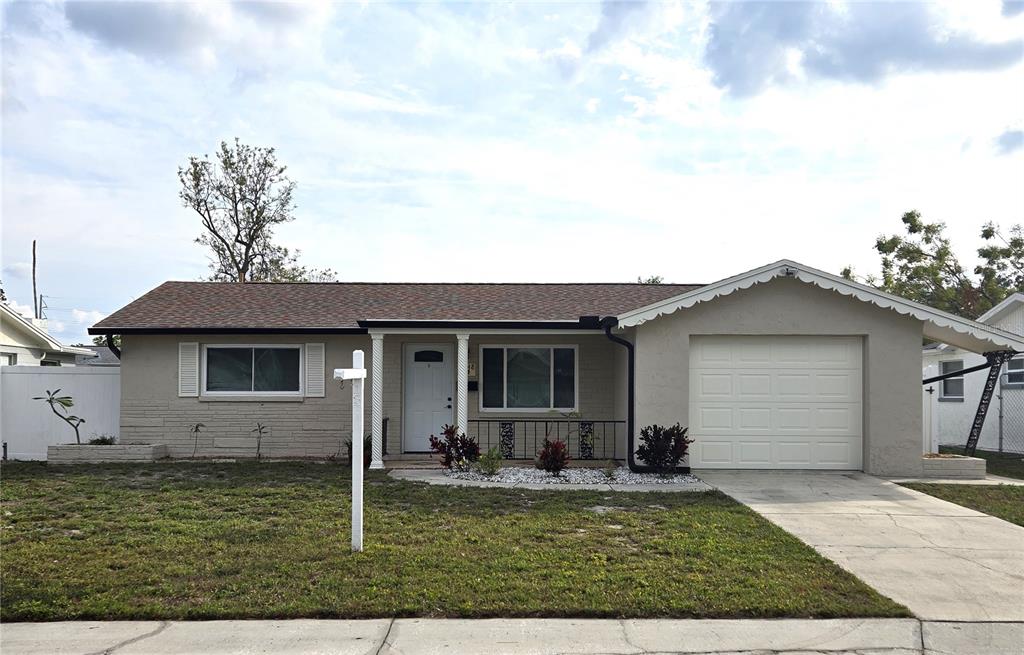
(113,347)
(608,323)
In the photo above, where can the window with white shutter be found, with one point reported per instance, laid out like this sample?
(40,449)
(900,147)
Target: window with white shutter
(315,365)
(188,369)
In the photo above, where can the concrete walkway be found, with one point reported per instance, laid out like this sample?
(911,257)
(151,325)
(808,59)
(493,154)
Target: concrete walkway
(943,561)
(513,637)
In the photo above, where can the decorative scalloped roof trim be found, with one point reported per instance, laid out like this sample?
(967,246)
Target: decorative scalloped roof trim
(786,268)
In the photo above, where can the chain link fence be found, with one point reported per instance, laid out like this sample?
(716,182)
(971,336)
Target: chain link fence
(1009,407)
(1004,425)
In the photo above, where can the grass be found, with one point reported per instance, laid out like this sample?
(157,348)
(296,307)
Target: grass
(207,540)
(1007,465)
(1003,501)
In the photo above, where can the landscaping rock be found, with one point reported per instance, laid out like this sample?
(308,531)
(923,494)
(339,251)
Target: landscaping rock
(575,476)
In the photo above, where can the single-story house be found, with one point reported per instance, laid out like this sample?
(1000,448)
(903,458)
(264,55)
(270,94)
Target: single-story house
(953,403)
(781,367)
(25,342)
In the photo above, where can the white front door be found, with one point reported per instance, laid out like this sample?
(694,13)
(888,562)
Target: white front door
(776,402)
(428,394)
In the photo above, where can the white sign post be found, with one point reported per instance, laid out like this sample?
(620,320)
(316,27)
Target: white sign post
(358,376)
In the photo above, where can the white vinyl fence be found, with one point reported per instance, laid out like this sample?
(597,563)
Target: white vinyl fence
(28,426)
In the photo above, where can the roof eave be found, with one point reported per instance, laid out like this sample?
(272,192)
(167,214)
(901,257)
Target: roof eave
(939,325)
(102,330)
(27,325)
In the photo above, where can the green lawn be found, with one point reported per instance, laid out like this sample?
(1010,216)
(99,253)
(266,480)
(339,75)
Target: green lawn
(205,540)
(1002,501)
(1005,464)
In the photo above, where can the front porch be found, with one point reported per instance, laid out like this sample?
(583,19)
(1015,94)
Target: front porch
(508,389)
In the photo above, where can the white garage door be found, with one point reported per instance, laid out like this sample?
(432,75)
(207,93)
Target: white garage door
(776,402)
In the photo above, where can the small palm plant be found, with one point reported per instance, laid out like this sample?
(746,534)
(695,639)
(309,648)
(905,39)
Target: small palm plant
(260,431)
(195,429)
(60,406)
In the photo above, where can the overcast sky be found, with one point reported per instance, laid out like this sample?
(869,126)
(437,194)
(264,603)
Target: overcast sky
(500,142)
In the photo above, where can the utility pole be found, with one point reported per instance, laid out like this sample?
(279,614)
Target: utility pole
(35,297)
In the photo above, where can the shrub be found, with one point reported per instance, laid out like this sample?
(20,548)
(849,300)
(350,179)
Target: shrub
(367,450)
(662,448)
(490,462)
(456,449)
(103,440)
(553,456)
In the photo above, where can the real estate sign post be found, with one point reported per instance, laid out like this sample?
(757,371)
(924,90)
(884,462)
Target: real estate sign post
(358,376)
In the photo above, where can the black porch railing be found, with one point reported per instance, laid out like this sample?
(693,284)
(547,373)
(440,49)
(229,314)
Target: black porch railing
(517,438)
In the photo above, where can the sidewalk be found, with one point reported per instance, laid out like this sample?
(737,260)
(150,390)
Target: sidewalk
(514,637)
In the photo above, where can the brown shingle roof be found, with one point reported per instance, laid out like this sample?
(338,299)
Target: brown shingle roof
(218,305)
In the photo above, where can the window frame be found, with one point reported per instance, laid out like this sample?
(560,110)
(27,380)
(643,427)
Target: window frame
(943,396)
(551,378)
(1010,384)
(10,359)
(248,394)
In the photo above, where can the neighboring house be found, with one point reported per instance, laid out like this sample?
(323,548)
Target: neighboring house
(25,342)
(954,402)
(781,367)
(100,356)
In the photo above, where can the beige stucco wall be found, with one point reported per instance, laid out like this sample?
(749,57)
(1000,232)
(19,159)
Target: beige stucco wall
(892,364)
(152,412)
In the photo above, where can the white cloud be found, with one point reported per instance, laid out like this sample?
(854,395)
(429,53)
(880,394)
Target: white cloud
(87,316)
(19,270)
(24,310)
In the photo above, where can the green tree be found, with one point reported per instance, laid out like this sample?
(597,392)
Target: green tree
(102,340)
(920,265)
(651,279)
(241,196)
(1002,267)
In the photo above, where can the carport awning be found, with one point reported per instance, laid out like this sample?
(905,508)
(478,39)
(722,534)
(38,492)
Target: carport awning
(938,325)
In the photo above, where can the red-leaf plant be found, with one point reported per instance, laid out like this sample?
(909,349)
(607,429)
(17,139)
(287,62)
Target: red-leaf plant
(553,457)
(457,451)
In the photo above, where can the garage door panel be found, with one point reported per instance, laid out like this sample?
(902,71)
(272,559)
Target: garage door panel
(714,453)
(754,354)
(754,386)
(716,385)
(715,418)
(793,419)
(794,384)
(793,453)
(754,419)
(721,419)
(746,385)
(755,453)
(776,402)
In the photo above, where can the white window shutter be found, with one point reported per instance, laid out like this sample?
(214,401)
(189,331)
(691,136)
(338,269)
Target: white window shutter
(315,370)
(188,369)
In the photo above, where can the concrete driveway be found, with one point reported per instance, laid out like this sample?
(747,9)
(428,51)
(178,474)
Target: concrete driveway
(943,561)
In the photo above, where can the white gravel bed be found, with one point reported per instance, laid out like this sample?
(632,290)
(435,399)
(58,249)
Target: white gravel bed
(528,475)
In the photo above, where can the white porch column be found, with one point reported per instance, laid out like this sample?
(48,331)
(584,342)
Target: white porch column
(462,382)
(377,401)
